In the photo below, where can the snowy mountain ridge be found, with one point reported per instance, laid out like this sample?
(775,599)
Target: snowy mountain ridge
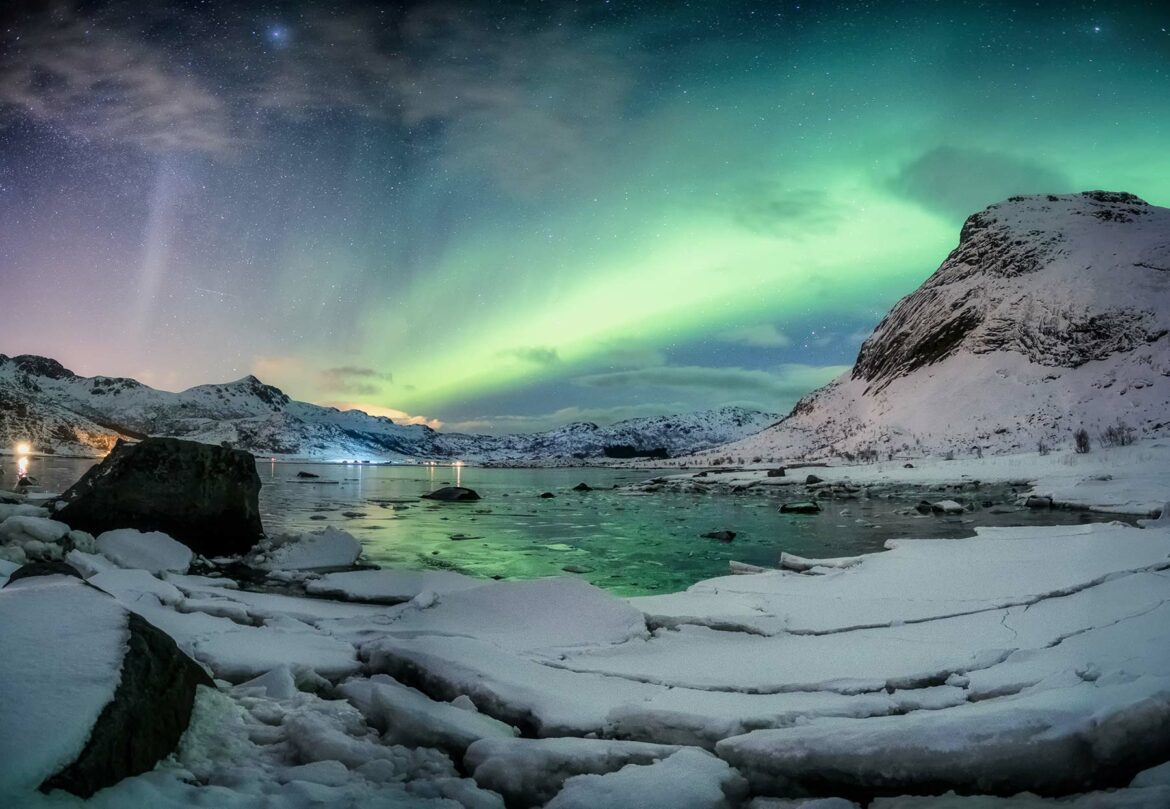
(1051,314)
(49,406)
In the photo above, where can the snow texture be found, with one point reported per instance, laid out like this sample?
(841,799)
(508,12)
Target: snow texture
(152,551)
(330,547)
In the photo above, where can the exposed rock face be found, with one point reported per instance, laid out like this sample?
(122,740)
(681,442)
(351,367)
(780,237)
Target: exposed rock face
(1052,314)
(966,305)
(146,718)
(204,496)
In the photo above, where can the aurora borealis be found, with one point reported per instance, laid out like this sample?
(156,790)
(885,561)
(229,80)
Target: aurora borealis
(509,216)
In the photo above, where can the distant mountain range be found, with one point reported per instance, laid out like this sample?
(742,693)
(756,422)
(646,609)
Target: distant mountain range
(1052,315)
(53,409)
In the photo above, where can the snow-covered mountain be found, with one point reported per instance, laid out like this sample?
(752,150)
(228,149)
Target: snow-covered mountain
(1052,314)
(50,407)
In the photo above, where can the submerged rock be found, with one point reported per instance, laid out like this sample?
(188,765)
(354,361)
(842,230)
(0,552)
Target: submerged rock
(722,536)
(811,479)
(204,496)
(547,495)
(582,487)
(453,494)
(802,507)
(307,475)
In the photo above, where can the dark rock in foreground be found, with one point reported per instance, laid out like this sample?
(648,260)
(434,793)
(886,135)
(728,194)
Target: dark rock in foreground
(453,494)
(49,567)
(204,496)
(65,642)
(144,721)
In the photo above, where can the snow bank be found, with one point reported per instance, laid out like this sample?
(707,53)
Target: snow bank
(389,586)
(408,717)
(529,772)
(330,547)
(19,528)
(152,551)
(530,615)
(1056,741)
(689,779)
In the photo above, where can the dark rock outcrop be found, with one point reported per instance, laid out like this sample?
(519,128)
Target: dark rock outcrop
(50,567)
(722,536)
(582,487)
(204,496)
(804,507)
(146,718)
(453,494)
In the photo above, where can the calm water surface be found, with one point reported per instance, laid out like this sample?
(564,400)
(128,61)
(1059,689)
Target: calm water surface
(629,543)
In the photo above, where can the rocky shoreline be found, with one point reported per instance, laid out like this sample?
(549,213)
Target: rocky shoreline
(1028,664)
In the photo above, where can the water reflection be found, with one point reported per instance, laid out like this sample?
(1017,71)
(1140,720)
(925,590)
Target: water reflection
(628,543)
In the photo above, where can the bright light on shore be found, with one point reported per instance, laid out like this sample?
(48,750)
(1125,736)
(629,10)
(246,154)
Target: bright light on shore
(23,448)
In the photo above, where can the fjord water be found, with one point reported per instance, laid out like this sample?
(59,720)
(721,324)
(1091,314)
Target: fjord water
(628,542)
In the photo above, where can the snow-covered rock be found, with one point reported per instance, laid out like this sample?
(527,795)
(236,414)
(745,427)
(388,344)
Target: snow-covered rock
(1052,314)
(91,692)
(529,772)
(389,586)
(330,547)
(688,779)
(409,717)
(152,551)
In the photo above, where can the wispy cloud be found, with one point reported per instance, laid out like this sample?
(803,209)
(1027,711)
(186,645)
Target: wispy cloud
(784,382)
(763,336)
(101,85)
(355,380)
(395,415)
(959,181)
(537,355)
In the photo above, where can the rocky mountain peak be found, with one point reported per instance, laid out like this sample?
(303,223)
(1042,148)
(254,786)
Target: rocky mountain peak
(1031,274)
(34,365)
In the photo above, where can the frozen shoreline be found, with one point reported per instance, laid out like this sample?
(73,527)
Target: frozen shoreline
(1030,659)
(1129,480)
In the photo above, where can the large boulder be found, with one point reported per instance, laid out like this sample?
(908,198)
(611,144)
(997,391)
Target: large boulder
(93,692)
(204,496)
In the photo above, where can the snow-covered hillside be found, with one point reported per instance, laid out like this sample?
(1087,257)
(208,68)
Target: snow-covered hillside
(50,407)
(1052,314)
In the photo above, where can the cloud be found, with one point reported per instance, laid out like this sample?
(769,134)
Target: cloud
(762,336)
(771,209)
(537,355)
(504,424)
(395,415)
(960,181)
(100,85)
(784,382)
(523,102)
(351,379)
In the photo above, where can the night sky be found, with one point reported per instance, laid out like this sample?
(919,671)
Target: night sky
(509,216)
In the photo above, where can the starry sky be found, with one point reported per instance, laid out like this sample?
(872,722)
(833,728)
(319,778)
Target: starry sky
(503,217)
